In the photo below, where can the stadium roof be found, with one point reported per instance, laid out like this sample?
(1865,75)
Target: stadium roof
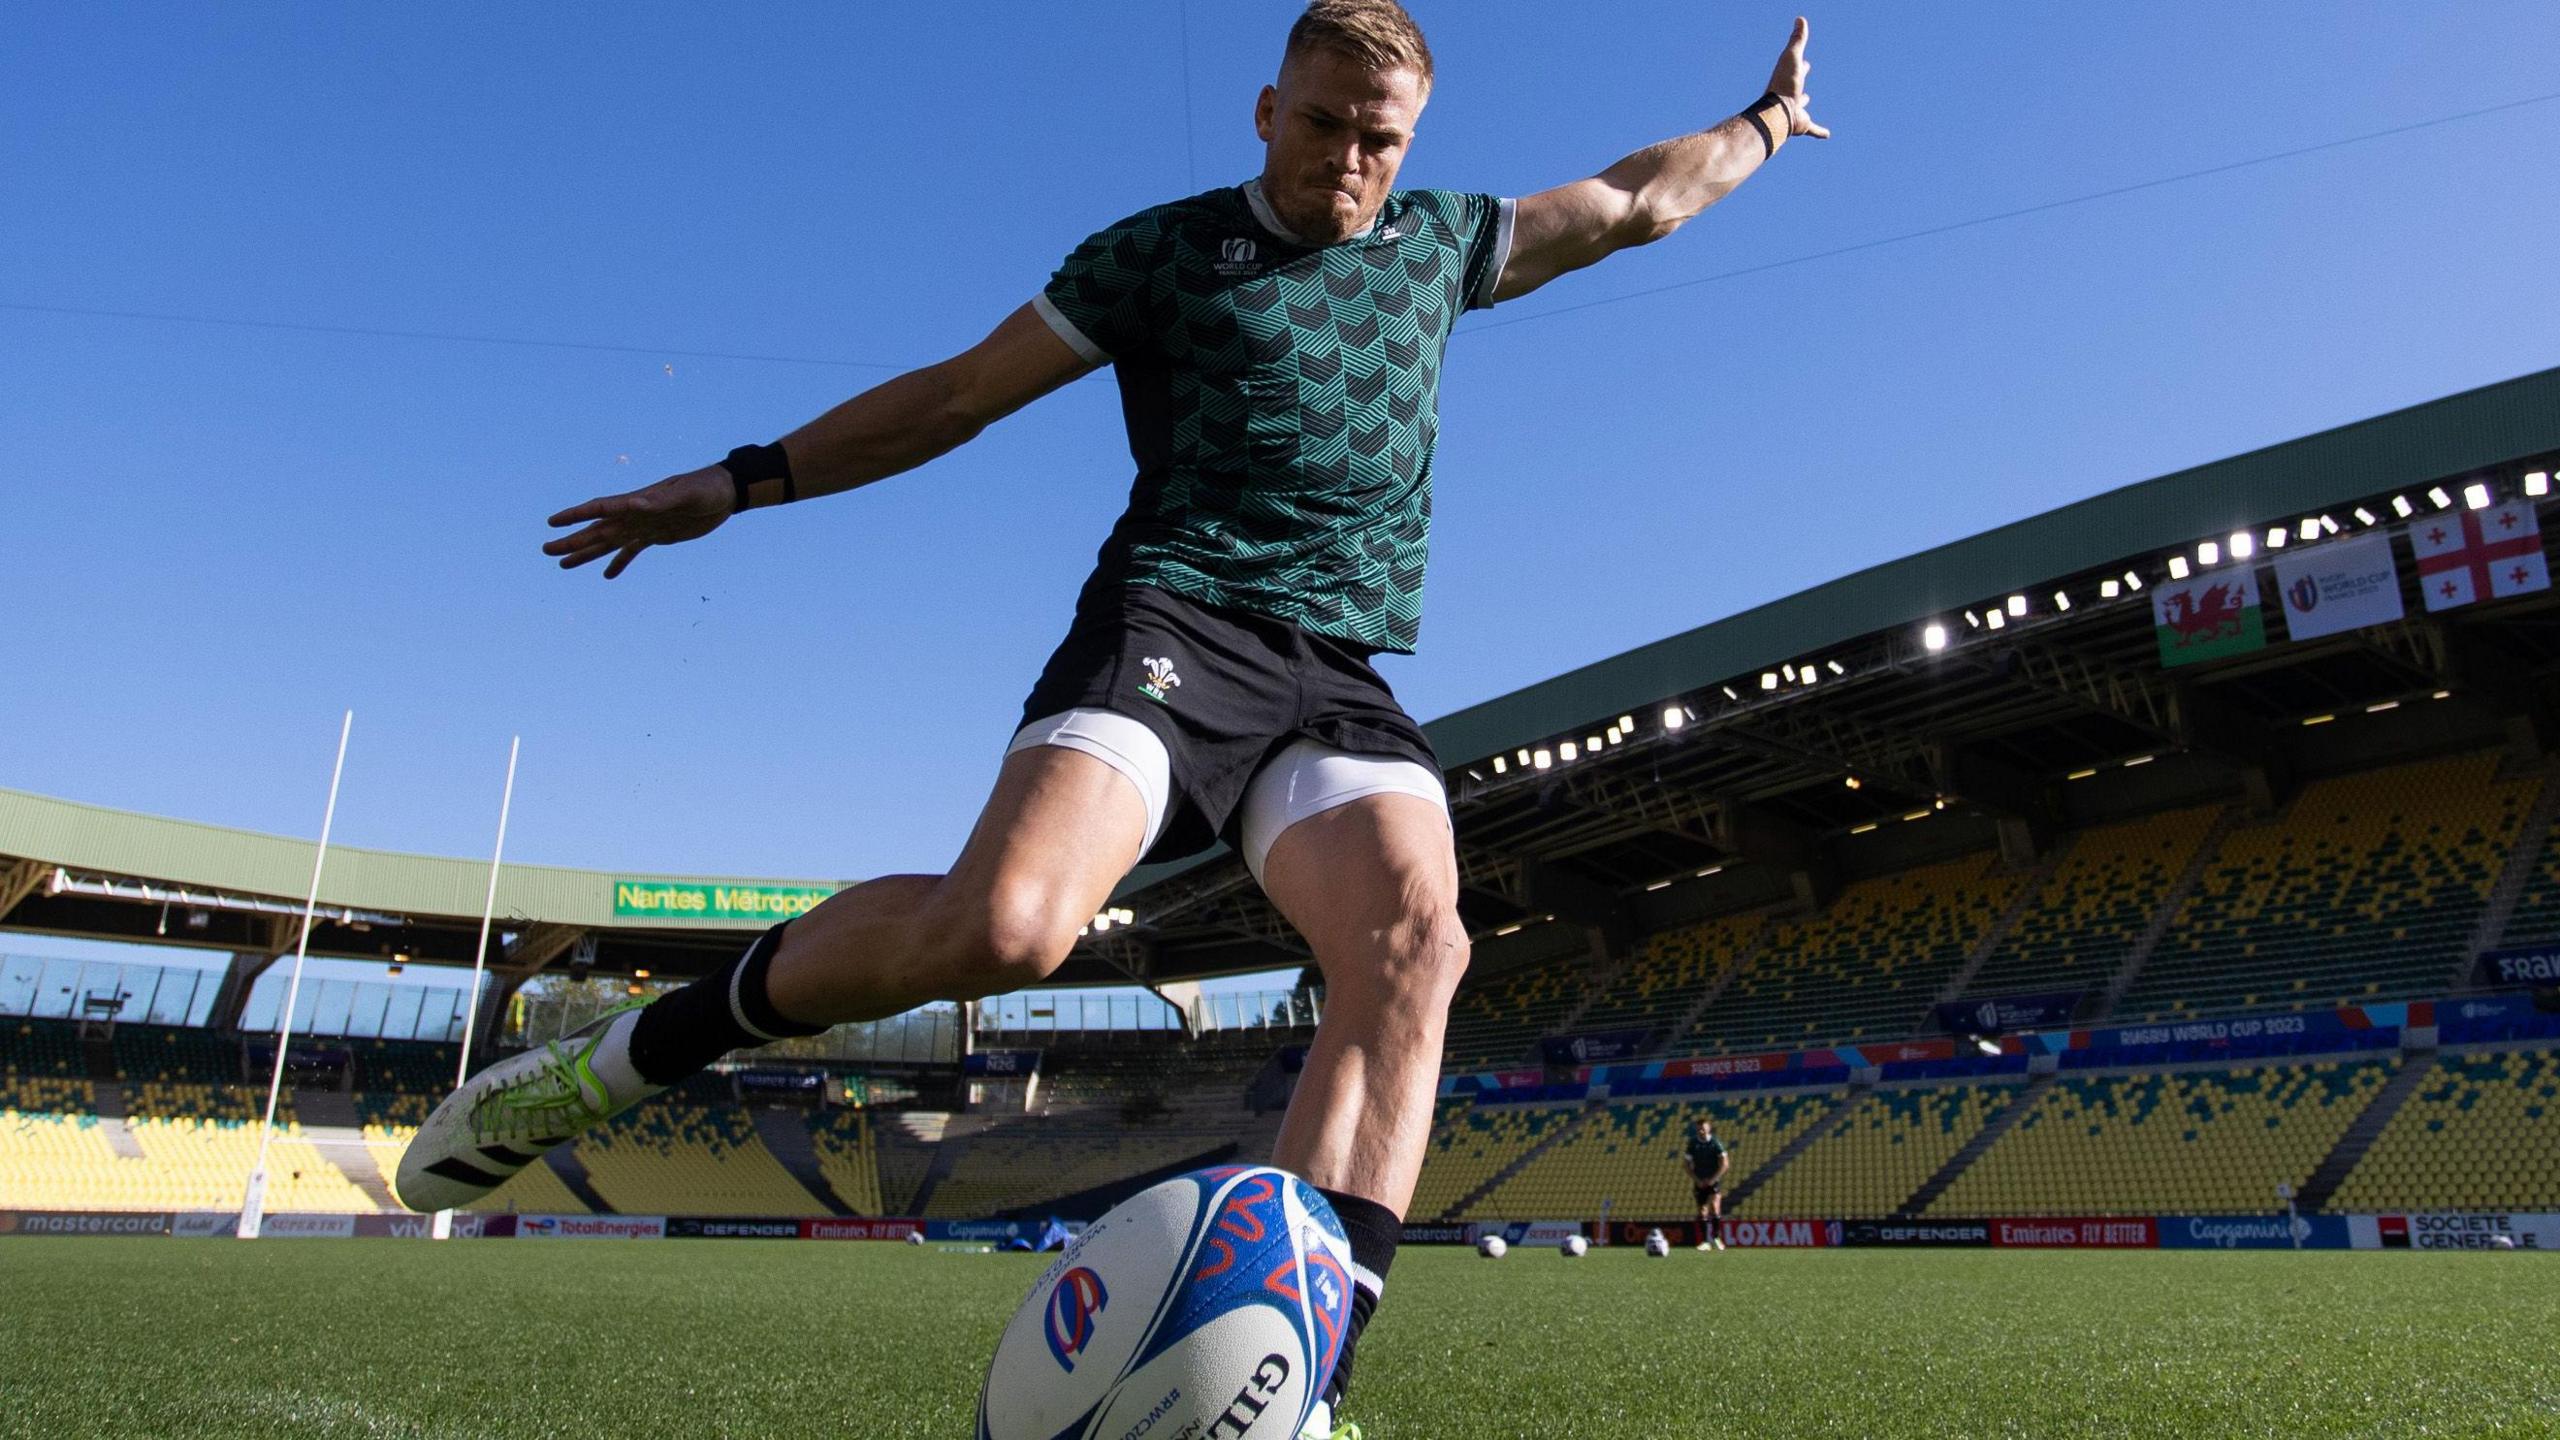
(1752,775)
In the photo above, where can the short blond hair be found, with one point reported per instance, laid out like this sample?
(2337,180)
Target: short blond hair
(1376,33)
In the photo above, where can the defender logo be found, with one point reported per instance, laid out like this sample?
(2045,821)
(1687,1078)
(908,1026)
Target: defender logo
(1238,256)
(1072,1307)
(1161,682)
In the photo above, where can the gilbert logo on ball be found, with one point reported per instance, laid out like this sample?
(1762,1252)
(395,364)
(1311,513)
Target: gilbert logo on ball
(1212,1305)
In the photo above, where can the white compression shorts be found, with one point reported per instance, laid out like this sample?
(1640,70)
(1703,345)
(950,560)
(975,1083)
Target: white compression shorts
(1306,779)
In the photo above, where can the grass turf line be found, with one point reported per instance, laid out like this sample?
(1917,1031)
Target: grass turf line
(744,1338)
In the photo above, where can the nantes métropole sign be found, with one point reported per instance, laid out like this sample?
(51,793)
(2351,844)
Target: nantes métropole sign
(665,900)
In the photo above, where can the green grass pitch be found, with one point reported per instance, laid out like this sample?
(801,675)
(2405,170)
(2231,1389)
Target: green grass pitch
(741,1338)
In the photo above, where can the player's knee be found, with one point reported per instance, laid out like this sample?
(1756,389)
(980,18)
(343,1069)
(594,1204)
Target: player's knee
(1423,954)
(1004,941)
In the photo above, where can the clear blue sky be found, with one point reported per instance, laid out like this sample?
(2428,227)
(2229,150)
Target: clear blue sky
(214,538)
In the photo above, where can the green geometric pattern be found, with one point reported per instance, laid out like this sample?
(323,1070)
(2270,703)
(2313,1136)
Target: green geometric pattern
(1282,401)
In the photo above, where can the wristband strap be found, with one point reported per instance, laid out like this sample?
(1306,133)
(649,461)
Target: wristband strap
(750,463)
(1768,137)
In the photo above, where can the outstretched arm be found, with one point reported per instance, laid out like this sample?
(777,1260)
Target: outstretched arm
(1658,189)
(892,427)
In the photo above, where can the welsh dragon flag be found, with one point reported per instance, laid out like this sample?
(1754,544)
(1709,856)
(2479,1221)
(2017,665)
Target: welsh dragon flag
(2209,616)
(2473,555)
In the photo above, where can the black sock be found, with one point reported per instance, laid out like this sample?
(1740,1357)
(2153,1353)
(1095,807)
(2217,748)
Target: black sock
(1374,1231)
(685,1030)
(1715,1227)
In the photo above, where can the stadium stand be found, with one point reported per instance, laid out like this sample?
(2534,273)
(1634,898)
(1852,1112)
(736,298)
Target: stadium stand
(2482,1133)
(1866,967)
(1471,1144)
(848,1158)
(1019,1166)
(2182,1143)
(1626,1156)
(688,1160)
(1499,1022)
(1883,1149)
(1667,973)
(2083,922)
(2368,889)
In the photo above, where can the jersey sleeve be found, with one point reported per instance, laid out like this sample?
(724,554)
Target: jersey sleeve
(1098,298)
(1482,224)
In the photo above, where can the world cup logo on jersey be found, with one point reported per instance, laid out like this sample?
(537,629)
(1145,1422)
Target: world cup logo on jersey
(1072,1308)
(1238,256)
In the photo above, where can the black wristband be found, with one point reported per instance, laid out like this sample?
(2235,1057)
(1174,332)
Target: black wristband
(1768,138)
(750,463)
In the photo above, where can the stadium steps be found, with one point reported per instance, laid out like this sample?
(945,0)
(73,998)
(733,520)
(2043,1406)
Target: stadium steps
(330,1121)
(2524,862)
(1713,991)
(1547,1142)
(563,1160)
(2171,904)
(1998,935)
(787,1136)
(2368,1127)
(1975,1148)
(1805,1140)
(106,1098)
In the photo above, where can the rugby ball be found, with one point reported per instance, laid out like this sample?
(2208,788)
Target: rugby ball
(1574,1247)
(1218,1298)
(1492,1247)
(1656,1246)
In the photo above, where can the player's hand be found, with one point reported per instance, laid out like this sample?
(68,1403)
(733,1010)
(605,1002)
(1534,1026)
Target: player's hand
(680,507)
(1787,83)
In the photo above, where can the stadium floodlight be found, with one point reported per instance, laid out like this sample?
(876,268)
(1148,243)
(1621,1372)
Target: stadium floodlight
(2310,528)
(2132,581)
(1836,667)
(2140,760)
(2243,545)
(2310,720)
(1768,679)
(1566,752)
(1788,670)
(2364,516)
(1672,719)
(1524,758)
(1862,829)
(2476,495)
(1627,723)
(2109,589)
(1933,637)
(1938,804)
(1616,736)
(2436,494)
(2208,553)
(1659,885)
(2401,507)
(2442,695)
(2177,567)
(1501,764)
(2381,705)
(1919,815)
(1807,676)
(1852,782)
(1728,692)
(640,974)
(1592,745)
(2537,483)
(2276,536)
(1972,621)
(2062,600)
(1543,760)
(1508,930)
(2329,523)
(2079,774)
(1993,619)
(2017,607)
(1710,870)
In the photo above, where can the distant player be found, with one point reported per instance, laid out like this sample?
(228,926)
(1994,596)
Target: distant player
(1277,345)
(1708,1160)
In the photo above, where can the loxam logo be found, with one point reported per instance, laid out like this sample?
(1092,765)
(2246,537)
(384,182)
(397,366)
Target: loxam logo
(1161,680)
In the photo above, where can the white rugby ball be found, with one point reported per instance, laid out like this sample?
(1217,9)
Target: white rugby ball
(1492,1247)
(1216,1298)
(1656,1246)
(1574,1247)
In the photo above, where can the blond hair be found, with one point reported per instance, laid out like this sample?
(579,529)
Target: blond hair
(1376,33)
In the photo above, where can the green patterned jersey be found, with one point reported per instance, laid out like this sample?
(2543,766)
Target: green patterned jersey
(1282,399)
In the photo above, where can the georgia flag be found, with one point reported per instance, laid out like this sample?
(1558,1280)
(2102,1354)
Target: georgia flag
(2472,555)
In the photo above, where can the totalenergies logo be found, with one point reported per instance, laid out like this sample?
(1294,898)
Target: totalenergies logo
(1078,1298)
